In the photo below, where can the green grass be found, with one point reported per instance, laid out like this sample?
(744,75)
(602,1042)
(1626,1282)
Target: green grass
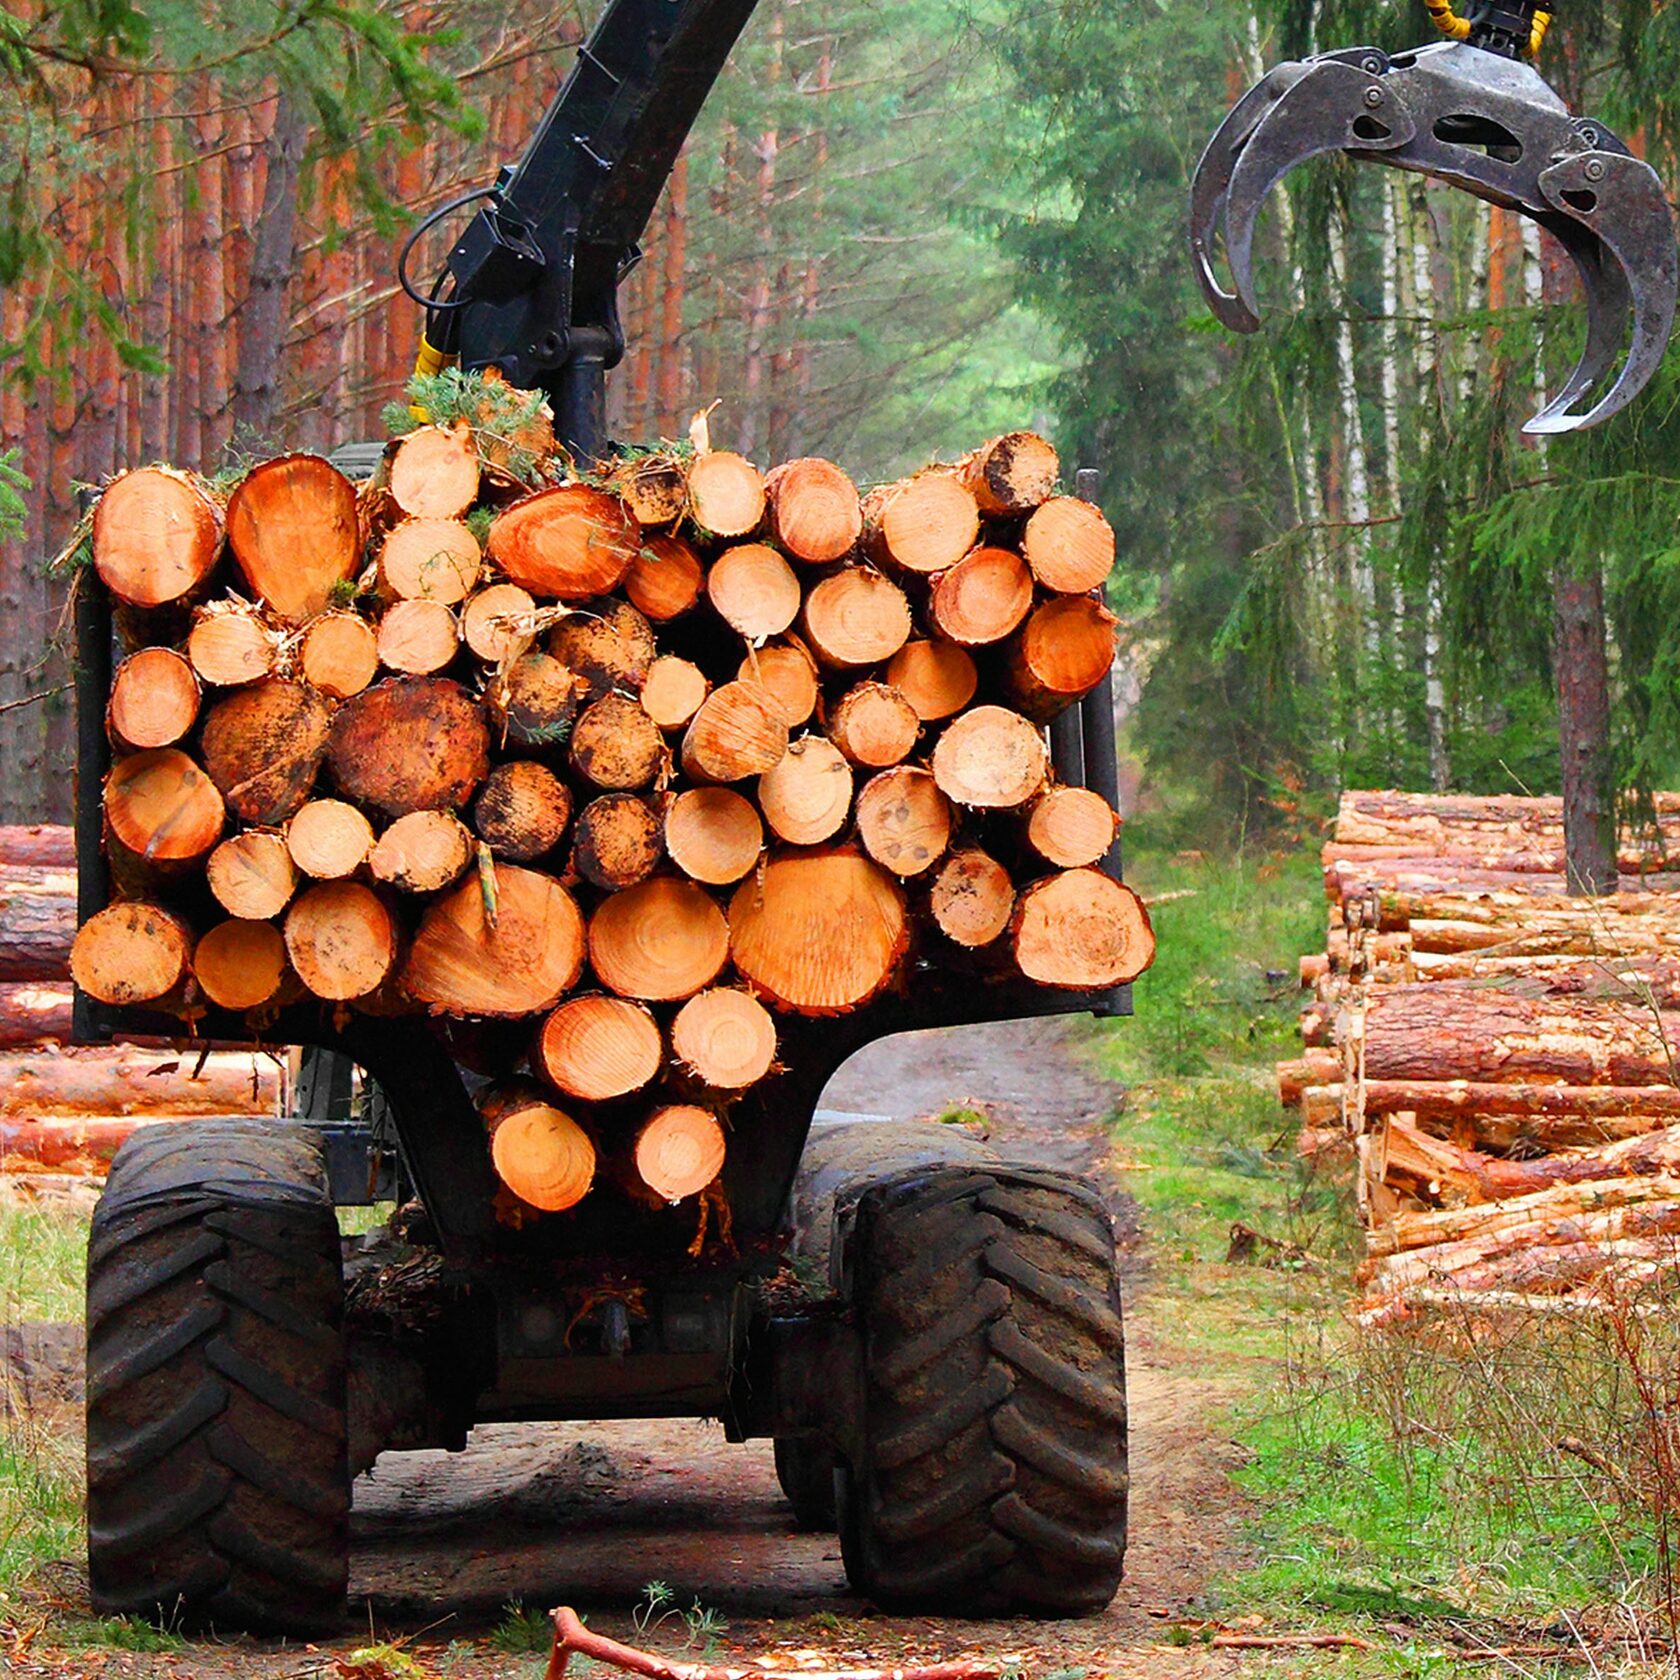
(43,1257)
(40,1500)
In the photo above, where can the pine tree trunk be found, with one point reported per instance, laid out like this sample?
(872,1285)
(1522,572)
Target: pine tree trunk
(1583,679)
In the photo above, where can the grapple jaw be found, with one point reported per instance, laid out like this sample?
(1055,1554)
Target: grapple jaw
(1478,120)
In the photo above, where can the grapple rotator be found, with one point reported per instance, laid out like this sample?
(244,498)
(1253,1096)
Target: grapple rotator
(1471,111)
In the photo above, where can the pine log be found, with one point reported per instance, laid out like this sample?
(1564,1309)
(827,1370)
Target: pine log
(973,898)
(121,1080)
(1430,877)
(1063,651)
(725,494)
(522,811)
(294,533)
(654,488)
(597,1048)
(422,852)
(156,537)
(262,746)
(252,874)
(154,700)
(533,701)
(935,677)
(788,671)
(1011,474)
(608,646)
(339,654)
(990,758)
(674,691)
(341,940)
(814,512)
(48,845)
(523,964)
(805,798)
(1295,1076)
(782,923)
(903,820)
(240,965)
(572,543)
(874,725)
(31,1014)
(665,579)
(737,732)
(491,620)
(616,745)
(982,598)
(329,839)
(1068,545)
(77,1146)
(444,750)
(130,953)
(753,590)
(1443,822)
(539,1151)
(725,1038)
(661,941)
(1081,930)
(162,808)
(713,835)
(429,560)
(855,617)
(1072,827)
(923,524)
(434,472)
(417,638)
(617,841)
(678,1152)
(229,644)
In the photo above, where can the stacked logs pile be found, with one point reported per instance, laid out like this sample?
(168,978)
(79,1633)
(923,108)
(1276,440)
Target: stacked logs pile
(1504,1056)
(64,1108)
(636,759)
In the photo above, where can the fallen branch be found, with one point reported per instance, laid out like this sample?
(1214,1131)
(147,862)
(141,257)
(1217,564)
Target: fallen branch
(1290,1641)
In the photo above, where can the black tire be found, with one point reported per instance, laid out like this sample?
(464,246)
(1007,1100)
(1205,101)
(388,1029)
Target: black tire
(218,1484)
(805,1468)
(992,1478)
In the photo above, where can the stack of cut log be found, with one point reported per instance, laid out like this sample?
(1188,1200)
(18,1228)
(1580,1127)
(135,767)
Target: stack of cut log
(1506,1057)
(66,1109)
(638,757)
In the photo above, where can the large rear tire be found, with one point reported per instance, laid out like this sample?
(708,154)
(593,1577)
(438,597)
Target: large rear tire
(992,1473)
(218,1484)
(805,1468)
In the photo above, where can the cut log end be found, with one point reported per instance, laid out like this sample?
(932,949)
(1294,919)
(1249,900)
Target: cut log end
(329,839)
(418,637)
(990,758)
(617,841)
(789,672)
(1063,652)
(434,472)
(156,537)
(598,1048)
(679,1152)
(1069,545)
(162,808)
(1082,930)
(936,678)
(725,494)
(262,746)
(815,514)
(725,1038)
(425,851)
(241,964)
(293,527)
(341,939)
(539,1152)
(339,654)
(904,821)
(874,725)
(665,579)
(616,745)
(1011,475)
(674,691)
(739,731)
(131,953)
(713,835)
(661,941)
(1072,827)
(534,701)
(973,898)
(430,560)
(754,591)
(856,617)
(230,644)
(607,646)
(154,699)
(522,811)
(446,745)
(491,620)
(571,543)
(982,598)
(805,798)
(925,524)
(252,875)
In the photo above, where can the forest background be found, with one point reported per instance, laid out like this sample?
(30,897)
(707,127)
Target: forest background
(901,225)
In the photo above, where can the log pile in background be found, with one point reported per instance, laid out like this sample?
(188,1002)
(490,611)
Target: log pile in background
(1505,1057)
(640,758)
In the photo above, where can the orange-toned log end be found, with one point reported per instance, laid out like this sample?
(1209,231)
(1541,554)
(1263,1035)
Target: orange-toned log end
(725,494)
(815,513)
(990,758)
(460,965)
(430,560)
(434,472)
(339,654)
(417,638)
(924,524)
(162,807)
(874,725)
(341,939)
(679,1152)
(534,701)
(410,744)
(936,678)
(1011,474)
(1072,827)
(252,874)
(787,669)
(130,953)
(617,842)
(654,488)
(973,898)
(713,835)
(422,852)
(596,1048)
(904,821)
(725,1038)
(856,617)
(606,646)
(329,839)
(818,933)
(739,731)
(294,532)
(805,798)
(982,598)
(1069,545)
(539,1152)
(665,579)
(490,622)
(1063,651)
(522,811)
(660,941)
(1082,930)
(753,590)
(156,537)
(674,691)
(229,644)
(240,965)
(154,699)
(617,745)
(262,746)
(572,543)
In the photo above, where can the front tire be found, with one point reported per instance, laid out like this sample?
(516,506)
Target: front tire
(805,1468)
